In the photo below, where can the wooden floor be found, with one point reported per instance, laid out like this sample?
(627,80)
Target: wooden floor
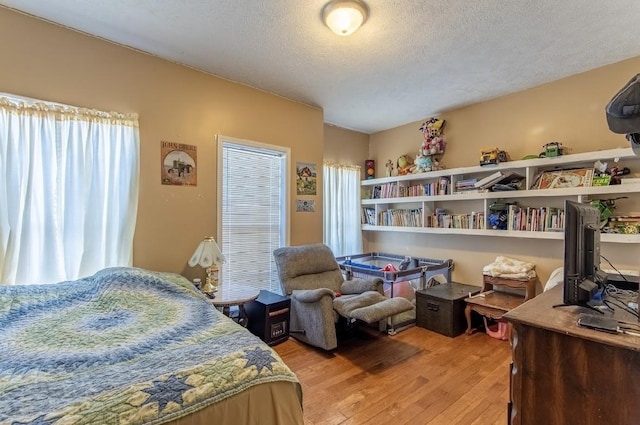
(415,377)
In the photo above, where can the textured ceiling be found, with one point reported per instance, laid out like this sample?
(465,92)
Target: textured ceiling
(411,59)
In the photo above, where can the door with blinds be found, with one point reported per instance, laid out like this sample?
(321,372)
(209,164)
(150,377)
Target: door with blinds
(252,210)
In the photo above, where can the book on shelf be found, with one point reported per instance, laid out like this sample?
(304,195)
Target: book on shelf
(470,191)
(630,180)
(627,218)
(489,180)
(499,178)
(443,186)
(368,215)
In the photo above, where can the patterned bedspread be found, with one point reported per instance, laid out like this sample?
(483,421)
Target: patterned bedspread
(125,345)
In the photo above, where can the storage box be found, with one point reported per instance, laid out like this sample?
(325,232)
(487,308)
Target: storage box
(441,307)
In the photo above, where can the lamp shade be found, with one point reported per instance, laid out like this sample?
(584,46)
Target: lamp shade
(344,16)
(207,253)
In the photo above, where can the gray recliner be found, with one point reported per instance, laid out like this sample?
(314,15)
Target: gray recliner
(311,277)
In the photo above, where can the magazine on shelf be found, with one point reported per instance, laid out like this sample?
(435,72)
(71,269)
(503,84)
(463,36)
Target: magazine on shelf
(581,177)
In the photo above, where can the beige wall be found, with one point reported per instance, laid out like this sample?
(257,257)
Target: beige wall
(176,104)
(345,146)
(570,110)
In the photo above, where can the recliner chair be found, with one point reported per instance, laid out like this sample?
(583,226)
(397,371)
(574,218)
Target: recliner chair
(311,277)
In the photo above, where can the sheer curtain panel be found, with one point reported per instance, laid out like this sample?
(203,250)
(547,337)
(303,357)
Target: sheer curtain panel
(68,190)
(342,228)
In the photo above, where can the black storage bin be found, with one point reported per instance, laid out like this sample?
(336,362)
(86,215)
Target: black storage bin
(269,317)
(441,307)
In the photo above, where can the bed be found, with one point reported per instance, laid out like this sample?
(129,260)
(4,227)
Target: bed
(132,346)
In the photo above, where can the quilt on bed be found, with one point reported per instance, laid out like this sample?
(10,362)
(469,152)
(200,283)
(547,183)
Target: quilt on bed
(122,346)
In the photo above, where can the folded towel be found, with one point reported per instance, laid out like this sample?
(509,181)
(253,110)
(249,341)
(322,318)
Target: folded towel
(510,268)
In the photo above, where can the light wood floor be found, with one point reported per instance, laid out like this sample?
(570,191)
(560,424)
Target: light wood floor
(415,377)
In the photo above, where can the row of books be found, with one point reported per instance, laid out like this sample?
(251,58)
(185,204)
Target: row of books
(413,218)
(394,190)
(456,221)
(392,217)
(401,217)
(535,219)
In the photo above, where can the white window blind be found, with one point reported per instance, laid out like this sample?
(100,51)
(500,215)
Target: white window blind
(254,209)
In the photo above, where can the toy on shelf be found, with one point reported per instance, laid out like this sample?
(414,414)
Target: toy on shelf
(606,208)
(389,166)
(404,164)
(370,169)
(422,164)
(432,145)
(493,156)
(552,149)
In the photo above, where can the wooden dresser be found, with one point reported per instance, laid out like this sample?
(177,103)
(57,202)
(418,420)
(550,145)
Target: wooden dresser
(563,374)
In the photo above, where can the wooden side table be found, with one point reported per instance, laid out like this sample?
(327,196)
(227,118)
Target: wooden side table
(234,295)
(494,305)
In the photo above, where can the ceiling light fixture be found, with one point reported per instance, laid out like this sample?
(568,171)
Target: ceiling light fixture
(345,16)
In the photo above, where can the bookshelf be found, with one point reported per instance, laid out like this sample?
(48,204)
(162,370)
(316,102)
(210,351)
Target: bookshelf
(440,202)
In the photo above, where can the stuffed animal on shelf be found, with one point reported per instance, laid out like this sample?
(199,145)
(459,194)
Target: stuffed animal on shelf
(433,143)
(404,164)
(422,164)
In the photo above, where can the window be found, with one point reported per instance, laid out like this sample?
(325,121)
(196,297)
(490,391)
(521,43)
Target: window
(68,190)
(341,213)
(253,203)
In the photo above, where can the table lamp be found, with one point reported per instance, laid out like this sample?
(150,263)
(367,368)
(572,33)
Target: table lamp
(208,255)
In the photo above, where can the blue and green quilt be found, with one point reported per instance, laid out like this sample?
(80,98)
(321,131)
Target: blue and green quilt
(125,345)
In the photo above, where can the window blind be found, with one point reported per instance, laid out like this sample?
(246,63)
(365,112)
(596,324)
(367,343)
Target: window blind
(253,213)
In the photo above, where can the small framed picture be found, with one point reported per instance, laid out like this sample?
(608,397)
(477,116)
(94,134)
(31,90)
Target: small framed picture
(305,205)
(305,178)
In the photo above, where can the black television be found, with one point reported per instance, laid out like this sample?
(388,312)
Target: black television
(582,273)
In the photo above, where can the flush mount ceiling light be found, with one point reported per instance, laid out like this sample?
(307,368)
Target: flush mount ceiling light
(345,16)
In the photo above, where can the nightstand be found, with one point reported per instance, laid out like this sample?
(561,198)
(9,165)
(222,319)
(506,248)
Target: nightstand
(236,295)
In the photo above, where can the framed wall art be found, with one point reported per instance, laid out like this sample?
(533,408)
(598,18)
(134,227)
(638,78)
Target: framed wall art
(179,163)
(305,178)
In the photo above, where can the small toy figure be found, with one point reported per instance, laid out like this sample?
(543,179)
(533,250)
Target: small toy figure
(389,166)
(552,149)
(493,156)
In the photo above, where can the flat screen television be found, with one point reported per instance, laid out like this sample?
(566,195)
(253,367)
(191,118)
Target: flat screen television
(581,252)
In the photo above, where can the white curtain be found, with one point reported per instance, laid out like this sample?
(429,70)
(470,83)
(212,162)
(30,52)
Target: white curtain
(68,190)
(342,228)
